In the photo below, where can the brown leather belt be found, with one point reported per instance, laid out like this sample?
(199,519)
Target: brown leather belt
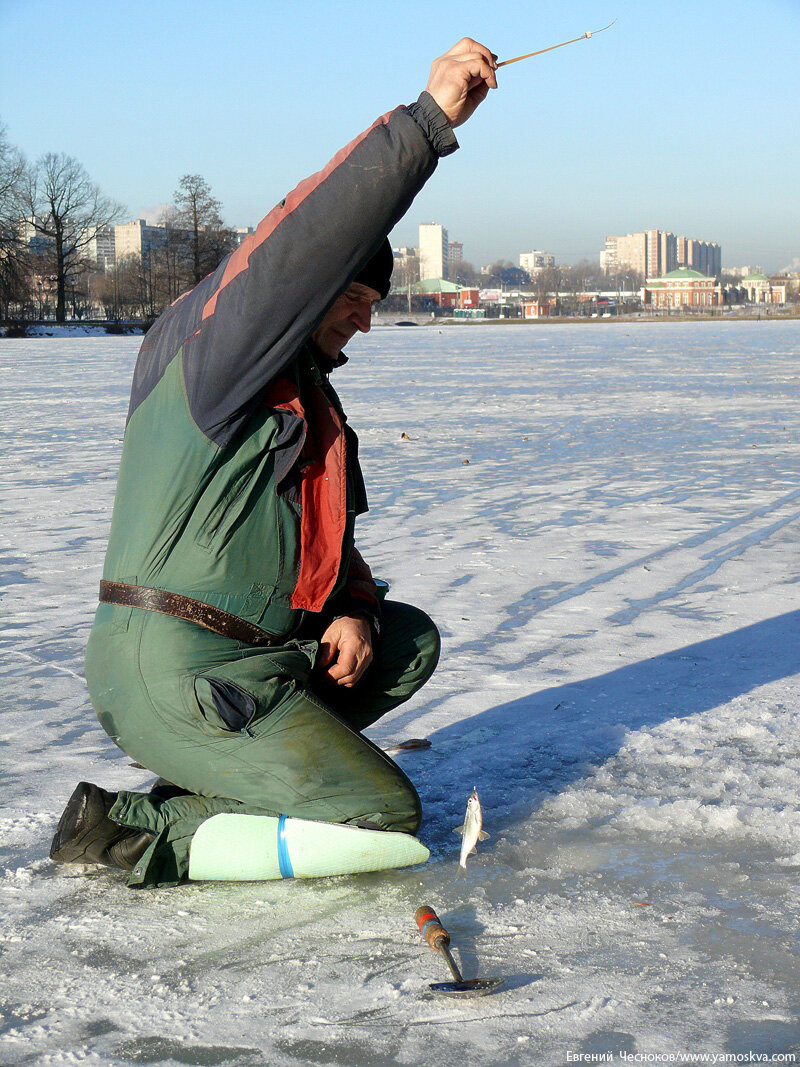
(183,607)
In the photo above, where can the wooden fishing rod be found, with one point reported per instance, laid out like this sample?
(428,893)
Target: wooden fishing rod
(583,37)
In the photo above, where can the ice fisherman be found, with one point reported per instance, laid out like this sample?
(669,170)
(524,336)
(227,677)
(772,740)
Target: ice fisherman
(240,647)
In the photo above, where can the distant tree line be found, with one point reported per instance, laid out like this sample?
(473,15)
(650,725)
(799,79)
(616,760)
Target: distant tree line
(584,277)
(52,218)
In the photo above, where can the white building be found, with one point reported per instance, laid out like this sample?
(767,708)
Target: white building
(433,251)
(404,256)
(136,238)
(534,262)
(27,229)
(102,248)
(763,290)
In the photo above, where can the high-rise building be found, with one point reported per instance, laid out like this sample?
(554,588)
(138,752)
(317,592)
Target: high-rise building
(654,253)
(455,254)
(102,249)
(668,252)
(703,256)
(628,252)
(98,245)
(433,251)
(660,253)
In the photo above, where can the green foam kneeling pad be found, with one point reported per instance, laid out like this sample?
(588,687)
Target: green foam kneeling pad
(250,848)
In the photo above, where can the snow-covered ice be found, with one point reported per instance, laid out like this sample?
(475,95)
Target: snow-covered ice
(604,520)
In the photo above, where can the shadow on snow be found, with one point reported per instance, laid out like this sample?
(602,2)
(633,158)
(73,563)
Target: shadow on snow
(520,752)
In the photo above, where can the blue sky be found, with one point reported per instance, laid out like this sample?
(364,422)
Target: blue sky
(682,117)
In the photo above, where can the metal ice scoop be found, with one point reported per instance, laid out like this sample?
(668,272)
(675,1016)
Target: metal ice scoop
(439,939)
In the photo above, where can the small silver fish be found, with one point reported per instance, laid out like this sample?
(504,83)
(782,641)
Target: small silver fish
(472,831)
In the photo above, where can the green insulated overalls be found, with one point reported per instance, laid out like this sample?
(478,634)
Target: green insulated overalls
(239,486)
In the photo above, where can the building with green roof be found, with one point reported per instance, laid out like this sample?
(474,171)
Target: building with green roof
(763,290)
(682,288)
(435,285)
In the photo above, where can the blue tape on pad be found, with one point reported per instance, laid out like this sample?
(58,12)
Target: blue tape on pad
(284,862)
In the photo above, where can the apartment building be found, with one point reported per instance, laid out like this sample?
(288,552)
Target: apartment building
(434,258)
(535,262)
(628,252)
(654,253)
(102,248)
(136,238)
(455,256)
(97,247)
(703,256)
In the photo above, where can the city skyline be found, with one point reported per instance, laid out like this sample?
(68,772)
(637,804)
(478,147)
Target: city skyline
(649,254)
(680,122)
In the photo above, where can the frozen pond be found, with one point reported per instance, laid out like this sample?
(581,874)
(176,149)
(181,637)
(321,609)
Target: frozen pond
(604,520)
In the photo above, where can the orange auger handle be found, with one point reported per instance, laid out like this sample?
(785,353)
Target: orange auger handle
(431,929)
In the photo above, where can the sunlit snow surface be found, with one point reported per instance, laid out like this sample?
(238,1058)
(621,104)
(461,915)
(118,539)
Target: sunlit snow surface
(604,521)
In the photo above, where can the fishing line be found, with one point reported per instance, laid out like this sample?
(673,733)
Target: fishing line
(583,37)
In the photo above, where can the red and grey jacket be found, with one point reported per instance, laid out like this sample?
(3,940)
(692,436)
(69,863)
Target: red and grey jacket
(239,480)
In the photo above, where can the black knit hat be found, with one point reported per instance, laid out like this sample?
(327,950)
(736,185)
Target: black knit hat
(377,274)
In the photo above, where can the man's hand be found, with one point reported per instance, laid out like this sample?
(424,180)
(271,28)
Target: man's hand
(462,78)
(345,650)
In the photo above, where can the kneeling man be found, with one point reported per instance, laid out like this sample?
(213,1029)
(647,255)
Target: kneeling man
(240,646)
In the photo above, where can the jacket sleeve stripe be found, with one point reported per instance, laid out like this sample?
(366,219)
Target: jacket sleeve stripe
(239,261)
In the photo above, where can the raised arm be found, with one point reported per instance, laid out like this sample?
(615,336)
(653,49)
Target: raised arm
(240,326)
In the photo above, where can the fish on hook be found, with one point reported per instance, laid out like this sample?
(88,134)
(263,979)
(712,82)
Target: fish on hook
(472,831)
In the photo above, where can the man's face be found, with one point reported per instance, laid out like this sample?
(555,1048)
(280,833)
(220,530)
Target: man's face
(350,313)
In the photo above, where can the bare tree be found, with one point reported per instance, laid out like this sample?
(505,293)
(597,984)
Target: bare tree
(126,290)
(547,281)
(466,274)
(582,276)
(174,268)
(198,212)
(14,267)
(67,209)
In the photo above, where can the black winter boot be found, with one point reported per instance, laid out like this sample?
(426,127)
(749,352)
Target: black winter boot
(85,834)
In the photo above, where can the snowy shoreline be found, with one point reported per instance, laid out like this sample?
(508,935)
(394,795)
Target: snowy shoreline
(69,329)
(383,319)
